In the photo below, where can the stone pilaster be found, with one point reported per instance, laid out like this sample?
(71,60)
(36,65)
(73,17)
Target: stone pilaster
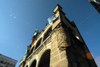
(58,56)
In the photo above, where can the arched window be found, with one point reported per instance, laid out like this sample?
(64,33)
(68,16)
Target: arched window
(31,50)
(38,43)
(45,59)
(47,33)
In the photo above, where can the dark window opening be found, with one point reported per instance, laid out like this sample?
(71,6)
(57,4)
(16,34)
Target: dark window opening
(38,43)
(28,50)
(33,64)
(47,33)
(31,50)
(55,20)
(27,66)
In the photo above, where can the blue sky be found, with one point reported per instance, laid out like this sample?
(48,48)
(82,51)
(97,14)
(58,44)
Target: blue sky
(19,19)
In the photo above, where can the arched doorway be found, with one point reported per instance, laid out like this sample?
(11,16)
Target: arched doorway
(45,59)
(33,64)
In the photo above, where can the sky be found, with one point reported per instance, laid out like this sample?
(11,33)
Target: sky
(20,18)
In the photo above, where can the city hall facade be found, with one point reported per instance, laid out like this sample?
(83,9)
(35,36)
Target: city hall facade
(58,45)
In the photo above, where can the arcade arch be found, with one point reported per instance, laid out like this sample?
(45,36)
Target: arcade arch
(45,59)
(33,64)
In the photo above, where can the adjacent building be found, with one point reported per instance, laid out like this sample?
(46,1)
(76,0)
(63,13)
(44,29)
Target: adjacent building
(96,4)
(58,45)
(6,61)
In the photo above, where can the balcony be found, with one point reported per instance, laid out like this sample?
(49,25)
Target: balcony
(40,47)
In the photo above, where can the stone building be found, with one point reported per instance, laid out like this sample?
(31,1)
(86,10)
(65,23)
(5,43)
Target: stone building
(58,45)
(6,61)
(96,4)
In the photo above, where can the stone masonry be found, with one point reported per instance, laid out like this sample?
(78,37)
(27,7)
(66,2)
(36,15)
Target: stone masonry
(58,45)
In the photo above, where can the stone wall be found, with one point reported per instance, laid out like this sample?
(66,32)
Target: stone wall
(58,45)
